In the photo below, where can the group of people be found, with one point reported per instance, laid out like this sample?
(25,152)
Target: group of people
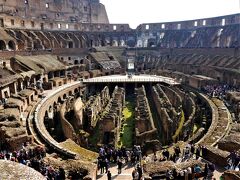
(190,151)
(233,161)
(218,90)
(33,157)
(120,157)
(193,172)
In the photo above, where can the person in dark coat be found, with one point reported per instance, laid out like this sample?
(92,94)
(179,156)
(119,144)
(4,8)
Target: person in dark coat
(109,175)
(119,163)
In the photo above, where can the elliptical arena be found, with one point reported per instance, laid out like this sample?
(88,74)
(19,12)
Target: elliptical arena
(76,90)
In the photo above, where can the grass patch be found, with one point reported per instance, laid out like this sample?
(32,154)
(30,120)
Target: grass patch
(195,128)
(180,126)
(126,138)
(83,153)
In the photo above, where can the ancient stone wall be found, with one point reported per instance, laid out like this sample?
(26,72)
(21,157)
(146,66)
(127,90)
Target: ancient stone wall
(60,10)
(95,106)
(111,120)
(67,127)
(78,108)
(144,125)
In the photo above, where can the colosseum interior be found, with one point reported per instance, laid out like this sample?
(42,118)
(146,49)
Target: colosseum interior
(78,94)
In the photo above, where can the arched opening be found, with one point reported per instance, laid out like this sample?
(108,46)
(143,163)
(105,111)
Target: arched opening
(76,61)
(46,118)
(50,108)
(151,43)
(91,43)
(59,100)
(76,91)
(11,45)
(70,44)
(2,45)
(115,43)
(64,96)
(54,104)
(70,93)
(131,42)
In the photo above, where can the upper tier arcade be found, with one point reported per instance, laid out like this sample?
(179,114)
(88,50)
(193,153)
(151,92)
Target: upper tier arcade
(192,24)
(59,10)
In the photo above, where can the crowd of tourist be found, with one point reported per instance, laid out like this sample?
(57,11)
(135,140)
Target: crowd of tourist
(190,151)
(218,90)
(233,161)
(33,157)
(120,157)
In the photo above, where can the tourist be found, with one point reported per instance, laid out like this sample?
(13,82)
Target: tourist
(198,152)
(119,165)
(169,175)
(135,174)
(101,165)
(197,171)
(61,173)
(106,164)
(154,157)
(109,175)
(139,170)
(206,170)
(177,151)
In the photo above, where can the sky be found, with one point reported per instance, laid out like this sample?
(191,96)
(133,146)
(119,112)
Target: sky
(135,12)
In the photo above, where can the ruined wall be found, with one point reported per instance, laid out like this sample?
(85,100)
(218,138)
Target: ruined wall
(60,10)
(67,127)
(144,126)
(111,120)
(95,106)
(78,108)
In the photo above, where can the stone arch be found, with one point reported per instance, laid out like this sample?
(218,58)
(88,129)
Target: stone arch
(12,45)
(46,115)
(37,45)
(54,105)
(64,96)
(50,108)
(139,43)
(108,40)
(70,93)
(2,45)
(115,43)
(70,44)
(76,90)
(131,42)
(76,61)
(122,42)
(59,100)
(151,42)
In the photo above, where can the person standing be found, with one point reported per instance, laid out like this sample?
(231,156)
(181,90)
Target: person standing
(119,163)
(109,175)
(139,170)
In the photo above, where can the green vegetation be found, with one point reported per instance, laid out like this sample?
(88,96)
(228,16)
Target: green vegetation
(126,134)
(83,153)
(180,126)
(195,128)
(94,137)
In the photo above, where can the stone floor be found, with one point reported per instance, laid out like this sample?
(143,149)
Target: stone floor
(125,175)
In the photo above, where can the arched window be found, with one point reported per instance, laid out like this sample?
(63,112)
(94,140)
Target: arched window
(2,45)
(11,45)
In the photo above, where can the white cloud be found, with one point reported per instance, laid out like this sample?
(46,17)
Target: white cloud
(135,12)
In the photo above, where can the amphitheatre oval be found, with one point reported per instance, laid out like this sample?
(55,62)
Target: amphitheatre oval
(82,98)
